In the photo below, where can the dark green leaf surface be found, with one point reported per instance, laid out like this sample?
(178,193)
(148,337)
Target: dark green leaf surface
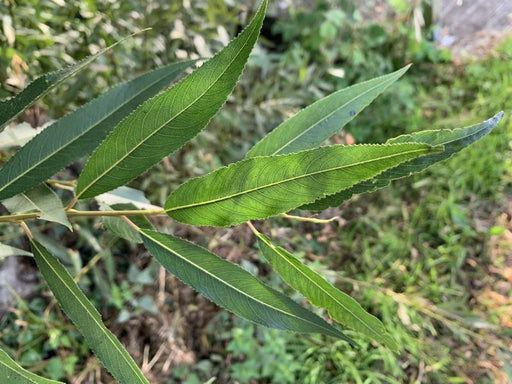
(163,124)
(41,199)
(12,373)
(321,293)
(10,108)
(81,131)
(266,186)
(453,141)
(86,318)
(231,287)
(313,125)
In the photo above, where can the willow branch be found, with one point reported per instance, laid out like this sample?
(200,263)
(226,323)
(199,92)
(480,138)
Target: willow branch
(308,219)
(76,213)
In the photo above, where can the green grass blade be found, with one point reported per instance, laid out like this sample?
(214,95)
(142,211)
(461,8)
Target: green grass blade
(12,373)
(260,187)
(87,319)
(321,293)
(453,141)
(81,131)
(165,123)
(41,199)
(231,287)
(10,108)
(313,125)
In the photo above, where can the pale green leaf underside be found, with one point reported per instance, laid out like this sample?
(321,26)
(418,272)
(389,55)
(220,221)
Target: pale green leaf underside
(17,135)
(7,250)
(261,187)
(12,373)
(165,123)
(313,125)
(453,141)
(104,344)
(40,199)
(126,195)
(231,287)
(321,293)
(80,132)
(10,108)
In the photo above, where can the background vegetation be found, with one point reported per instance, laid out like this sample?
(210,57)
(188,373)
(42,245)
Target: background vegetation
(430,255)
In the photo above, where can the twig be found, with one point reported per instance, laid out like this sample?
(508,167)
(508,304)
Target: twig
(26,229)
(253,229)
(72,203)
(131,223)
(308,219)
(75,213)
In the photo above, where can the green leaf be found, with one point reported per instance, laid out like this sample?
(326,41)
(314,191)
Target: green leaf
(17,136)
(81,131)
(120,227)
(126,195)
(231,287)
(453,141)
(87,319)
(7,250)
(12,373)
(10,108)
(163,124)
(321,293)
(313,125)
(260,187)
(40,199)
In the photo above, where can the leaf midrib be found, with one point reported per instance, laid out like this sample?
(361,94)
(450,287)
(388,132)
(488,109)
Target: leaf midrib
(445,142)
(375,187)
(60,149)
(116,163)
(323,290)
(231,286)
(325,118)
(95,319)
(36,207)
(290,179)
(22,374)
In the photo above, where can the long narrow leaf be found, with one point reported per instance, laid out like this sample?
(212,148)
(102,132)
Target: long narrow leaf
(12,373)
(163,124)
(321,293)
(452,140)
(7,250)
(10,108)
(87,319)
(41,199)
(313,125)
(81,131)
(231,287)
(266,186)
